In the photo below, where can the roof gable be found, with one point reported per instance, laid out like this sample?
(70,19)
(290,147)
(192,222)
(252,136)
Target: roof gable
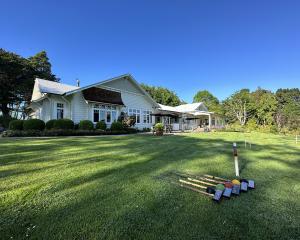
(46,86)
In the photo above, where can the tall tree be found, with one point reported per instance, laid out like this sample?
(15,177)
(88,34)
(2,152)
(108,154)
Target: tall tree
(210,101)
(162,95)
(288,108)
(42,66)
(239,107)
(17,76)
(265,105)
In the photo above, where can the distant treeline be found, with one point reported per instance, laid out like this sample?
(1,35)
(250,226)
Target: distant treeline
(259,110)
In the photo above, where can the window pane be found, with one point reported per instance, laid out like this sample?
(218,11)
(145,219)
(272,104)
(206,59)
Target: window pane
(102,115)
(96,115)
(113,107)
(96,106)
(134,110)
(108,107)
(138,118)
(102,106)
(108,117)
(60,105)
(60,113)
(114,116)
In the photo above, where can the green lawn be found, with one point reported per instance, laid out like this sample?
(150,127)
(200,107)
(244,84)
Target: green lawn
(110,188)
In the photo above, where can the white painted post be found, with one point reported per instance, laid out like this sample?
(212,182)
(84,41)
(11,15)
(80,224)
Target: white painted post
(236,162)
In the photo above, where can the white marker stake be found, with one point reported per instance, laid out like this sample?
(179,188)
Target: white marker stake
(236,162)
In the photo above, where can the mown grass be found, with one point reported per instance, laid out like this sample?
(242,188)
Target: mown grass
(110,188)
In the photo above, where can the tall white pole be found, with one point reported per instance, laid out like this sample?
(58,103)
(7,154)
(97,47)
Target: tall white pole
(236,161)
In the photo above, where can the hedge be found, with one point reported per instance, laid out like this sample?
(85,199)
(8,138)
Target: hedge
(86,125)
(16,125)
(101,125)
(66,132)
(50,124)
(63,124)
(34,124)
(4,121)
(116,126)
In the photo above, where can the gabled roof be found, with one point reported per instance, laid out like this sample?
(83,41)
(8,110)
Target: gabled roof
(128,76)
(188,107)
(184,108)
(47,86)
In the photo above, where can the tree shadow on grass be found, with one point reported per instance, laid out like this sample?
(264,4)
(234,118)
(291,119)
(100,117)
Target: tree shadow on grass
(124,201)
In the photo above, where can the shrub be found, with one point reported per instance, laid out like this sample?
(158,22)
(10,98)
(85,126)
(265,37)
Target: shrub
(4,121)
(34,124)
(63,124)
(86,125)
(16,125)
(159,127)
(117,126)
(101,125)
(50,124)
(251,125)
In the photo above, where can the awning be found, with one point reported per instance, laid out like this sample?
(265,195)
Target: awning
(101,95)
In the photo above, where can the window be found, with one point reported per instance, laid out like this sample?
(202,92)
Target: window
(138,116)
(106,113)
(96,115)
(108,116)
(113,116)
(147,118)
(59,110)
(102,115)
(135,113)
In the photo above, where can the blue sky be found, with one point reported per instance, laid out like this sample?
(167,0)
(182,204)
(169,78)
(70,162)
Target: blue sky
(220,45)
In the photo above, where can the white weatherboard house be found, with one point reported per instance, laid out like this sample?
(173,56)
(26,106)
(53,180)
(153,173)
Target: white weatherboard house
(106,100)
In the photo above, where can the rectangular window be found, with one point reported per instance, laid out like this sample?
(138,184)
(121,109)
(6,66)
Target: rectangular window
(113,116)
(108,117)
(144,116)
(96,115)
(59,110)
(138,116)
(102,115)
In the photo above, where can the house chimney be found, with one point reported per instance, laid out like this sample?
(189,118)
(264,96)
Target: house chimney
(78,82)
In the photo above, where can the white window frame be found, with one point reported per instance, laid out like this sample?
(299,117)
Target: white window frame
(104,110)
(61,108)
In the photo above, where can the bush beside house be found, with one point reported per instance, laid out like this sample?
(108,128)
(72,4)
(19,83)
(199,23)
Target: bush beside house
(63,124)
(86,125)
(62,127)
(159,129)
(16,125)
(101,125)
(34,124)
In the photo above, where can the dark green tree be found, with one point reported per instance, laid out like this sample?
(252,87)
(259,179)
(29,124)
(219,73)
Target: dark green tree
(264,106)
(288,108)
(210,101)
(17,76)
(162,95)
